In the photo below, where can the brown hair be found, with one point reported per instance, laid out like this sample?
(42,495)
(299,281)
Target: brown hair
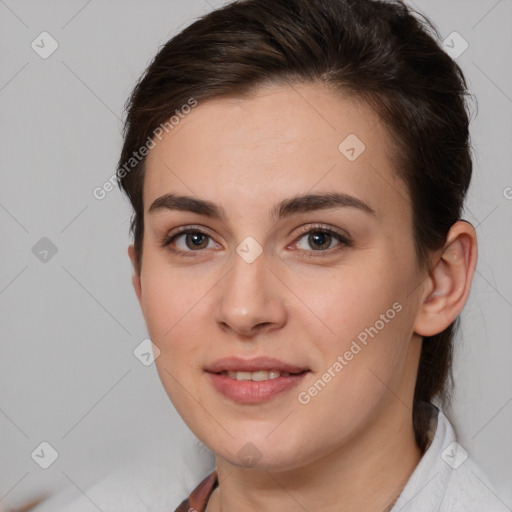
(378,51)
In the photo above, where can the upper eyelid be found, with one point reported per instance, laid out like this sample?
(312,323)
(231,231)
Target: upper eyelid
(318,227)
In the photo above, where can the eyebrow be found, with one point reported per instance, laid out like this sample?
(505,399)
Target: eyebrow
(286,208)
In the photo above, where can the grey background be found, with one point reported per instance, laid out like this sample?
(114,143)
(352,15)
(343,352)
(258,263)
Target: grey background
(69,326)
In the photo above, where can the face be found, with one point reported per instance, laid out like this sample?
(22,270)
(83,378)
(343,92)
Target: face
(301,262)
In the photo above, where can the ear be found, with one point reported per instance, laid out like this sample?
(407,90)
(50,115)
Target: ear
(136,275)
(449,281)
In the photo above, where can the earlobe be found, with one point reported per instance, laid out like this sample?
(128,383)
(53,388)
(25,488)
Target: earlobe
(449,281)
(136,276)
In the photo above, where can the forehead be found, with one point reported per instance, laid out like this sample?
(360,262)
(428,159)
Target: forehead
(278,142)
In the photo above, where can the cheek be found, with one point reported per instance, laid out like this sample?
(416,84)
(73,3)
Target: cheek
(165,316)
(169,298)
(357,297)
(170,309)
(176,309)
(370,326)
(358,370)
(159,308)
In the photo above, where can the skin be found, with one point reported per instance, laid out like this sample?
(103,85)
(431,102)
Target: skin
(352,446)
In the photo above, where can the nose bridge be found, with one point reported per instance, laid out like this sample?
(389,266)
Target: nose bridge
(250,296)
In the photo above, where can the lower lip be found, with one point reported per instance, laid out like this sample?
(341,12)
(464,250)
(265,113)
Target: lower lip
(252,392)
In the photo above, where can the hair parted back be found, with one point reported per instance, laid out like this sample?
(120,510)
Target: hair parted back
(377,51)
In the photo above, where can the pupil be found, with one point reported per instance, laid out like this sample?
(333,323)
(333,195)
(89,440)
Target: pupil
(196,240)
(322,239)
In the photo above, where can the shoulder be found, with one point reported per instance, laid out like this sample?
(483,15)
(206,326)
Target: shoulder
(470,490)
(140,486)
(446,478)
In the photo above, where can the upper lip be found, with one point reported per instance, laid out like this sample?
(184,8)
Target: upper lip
(252,365)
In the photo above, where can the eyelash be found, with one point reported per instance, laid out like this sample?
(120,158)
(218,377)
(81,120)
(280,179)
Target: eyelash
(319,228)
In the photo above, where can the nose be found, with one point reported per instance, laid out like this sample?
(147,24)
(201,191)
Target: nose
(250,301)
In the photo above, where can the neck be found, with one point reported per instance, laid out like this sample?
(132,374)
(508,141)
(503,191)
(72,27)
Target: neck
(368,473)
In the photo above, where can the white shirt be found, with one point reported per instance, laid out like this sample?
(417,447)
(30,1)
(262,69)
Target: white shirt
(445,480)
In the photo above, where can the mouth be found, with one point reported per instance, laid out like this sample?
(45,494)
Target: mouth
(251,381)
(259,375)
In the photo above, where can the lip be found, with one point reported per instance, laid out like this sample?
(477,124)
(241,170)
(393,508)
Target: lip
(252,365)
(253,392)
(248,391)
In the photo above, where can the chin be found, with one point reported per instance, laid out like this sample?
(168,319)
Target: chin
(258,453)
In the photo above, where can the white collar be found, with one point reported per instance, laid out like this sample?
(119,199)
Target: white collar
(446,479)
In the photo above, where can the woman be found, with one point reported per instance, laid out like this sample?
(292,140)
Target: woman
(297,171)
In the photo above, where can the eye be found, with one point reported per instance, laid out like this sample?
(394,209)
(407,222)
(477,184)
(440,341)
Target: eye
(189,240)
(321,239)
